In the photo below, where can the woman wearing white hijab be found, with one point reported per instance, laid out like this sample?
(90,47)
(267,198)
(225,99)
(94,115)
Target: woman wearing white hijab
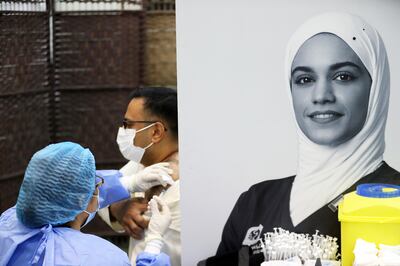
(337,76)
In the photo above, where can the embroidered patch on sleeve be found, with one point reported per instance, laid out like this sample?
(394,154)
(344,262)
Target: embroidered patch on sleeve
(253,235)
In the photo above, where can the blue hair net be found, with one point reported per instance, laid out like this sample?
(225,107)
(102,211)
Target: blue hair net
(58,185)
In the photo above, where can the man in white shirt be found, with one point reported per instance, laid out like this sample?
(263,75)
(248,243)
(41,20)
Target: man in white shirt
(149,139)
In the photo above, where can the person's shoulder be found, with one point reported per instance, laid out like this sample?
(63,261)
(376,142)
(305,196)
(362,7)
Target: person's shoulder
(106,245)
(173,161)
(389,172)
(272,184)
(131,168)
(9,214)
(101,248)
(267,188)
(94,246)
(384,174)
(387,168)
(9,223)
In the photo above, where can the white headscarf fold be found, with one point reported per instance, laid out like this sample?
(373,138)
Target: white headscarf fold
(324,172)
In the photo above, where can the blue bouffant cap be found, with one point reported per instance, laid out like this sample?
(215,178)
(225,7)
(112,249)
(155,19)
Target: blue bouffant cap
(58,185)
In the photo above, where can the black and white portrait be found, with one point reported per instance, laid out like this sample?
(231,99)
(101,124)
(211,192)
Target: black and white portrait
(304,93)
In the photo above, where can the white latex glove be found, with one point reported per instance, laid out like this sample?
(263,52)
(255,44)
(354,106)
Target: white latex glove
(153,175)
(159,223)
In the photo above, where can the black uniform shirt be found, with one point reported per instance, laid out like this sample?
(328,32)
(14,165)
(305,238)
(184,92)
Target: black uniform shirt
(266,205)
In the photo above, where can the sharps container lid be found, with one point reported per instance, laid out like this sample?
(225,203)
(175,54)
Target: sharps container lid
(378,190)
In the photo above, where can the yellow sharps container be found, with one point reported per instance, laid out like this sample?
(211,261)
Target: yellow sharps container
(371,213)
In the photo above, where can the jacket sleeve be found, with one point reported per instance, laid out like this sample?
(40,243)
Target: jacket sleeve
(112,190)
(231,237)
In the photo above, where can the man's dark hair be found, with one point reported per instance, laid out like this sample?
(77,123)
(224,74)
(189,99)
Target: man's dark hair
(161,102)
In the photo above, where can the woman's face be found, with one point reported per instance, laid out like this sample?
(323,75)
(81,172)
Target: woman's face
(330,90)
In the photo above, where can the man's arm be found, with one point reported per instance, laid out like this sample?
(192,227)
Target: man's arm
(129,214)
(118,210)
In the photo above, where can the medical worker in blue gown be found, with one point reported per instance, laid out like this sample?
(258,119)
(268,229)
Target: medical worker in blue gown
(59,195)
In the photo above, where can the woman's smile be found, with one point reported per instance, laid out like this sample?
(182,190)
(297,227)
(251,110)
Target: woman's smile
(324,117)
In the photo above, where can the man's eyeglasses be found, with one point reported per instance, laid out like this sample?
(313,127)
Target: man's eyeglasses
(129,123)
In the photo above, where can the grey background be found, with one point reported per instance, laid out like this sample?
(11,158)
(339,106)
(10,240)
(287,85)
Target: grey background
(236,125)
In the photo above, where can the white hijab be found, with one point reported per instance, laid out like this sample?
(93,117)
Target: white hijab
(324,172)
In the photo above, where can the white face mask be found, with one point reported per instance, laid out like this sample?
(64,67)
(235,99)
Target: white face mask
(125,140)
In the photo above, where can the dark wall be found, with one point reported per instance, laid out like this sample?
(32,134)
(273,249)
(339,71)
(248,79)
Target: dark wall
(24,96)
(64,76)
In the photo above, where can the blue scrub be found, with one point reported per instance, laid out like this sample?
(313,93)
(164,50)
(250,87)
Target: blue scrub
(49,245)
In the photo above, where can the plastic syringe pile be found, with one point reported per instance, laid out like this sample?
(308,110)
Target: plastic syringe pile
(282,244)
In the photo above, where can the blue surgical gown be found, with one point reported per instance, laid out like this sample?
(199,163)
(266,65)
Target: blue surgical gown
(20,245)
